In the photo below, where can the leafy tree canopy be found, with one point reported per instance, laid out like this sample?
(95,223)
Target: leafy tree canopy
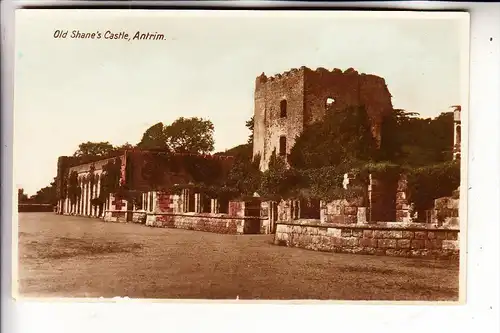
(153,138)
(250,125)
(190,135)
(92,149)
(413,141)
(185,135)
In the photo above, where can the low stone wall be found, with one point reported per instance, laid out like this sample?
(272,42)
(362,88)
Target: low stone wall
(392,239)
(139,216)
(116,215)
(446,210)
(218,223)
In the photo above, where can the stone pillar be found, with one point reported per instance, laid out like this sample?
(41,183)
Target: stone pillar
(86,199)
(197,202)
(89,197)
(80,201)
(402,205)
(214,203)
(154,204)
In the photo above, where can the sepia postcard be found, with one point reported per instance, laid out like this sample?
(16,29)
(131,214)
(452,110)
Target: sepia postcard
(241,155)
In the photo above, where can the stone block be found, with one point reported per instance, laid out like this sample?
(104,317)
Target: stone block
(417,244)
(367,233)
(322,231)
(387,234)
(351,242)
(420,234)
(403,244)
(451,245)
(433,244)
(369,250)
(440,235)
(387,243)
(408,234)
(346,232)
(368,242)
(335,232)
(452,235)
(357,233)
(337,241)
(394,234)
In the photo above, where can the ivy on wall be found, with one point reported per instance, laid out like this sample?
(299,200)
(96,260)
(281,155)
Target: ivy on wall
(74,190)
(427,183)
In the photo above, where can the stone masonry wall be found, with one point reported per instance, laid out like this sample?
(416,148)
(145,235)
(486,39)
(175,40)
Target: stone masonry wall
(346,88)
(446,210)
(167,213)
(344,212)
(402,204)
(306,93)
(268,124)
(381,239)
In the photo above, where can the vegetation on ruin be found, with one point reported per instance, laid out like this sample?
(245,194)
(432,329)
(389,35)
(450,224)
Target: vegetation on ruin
(412,141)
(343,143)
(110,179)
(341,138)
(430,182)
(74,190)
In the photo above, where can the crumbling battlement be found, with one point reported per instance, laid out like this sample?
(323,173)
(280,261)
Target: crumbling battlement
(286,103)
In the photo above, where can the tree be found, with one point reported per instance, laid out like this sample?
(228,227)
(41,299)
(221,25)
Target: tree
(341,137)
(190,135)
(153,138)
(279,180)
(413,141)
(250,125)
(21,196)
(93,149)
(46,195)
(124,146)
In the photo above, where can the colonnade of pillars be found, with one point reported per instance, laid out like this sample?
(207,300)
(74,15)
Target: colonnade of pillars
(83,205)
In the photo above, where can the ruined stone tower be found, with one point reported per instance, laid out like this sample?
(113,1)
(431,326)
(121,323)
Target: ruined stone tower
(286,103)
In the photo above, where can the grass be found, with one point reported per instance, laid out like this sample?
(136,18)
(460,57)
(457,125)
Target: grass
(65,247)
(80,257)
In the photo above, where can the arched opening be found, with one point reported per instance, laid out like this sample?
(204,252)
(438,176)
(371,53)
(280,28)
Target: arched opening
(283,110)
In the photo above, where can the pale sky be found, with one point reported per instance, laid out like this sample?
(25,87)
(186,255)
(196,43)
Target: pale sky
(70,91)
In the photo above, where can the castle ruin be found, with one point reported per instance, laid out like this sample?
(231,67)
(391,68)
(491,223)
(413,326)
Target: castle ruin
(286,103)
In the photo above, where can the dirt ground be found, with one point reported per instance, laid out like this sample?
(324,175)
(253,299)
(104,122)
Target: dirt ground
(81,257)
